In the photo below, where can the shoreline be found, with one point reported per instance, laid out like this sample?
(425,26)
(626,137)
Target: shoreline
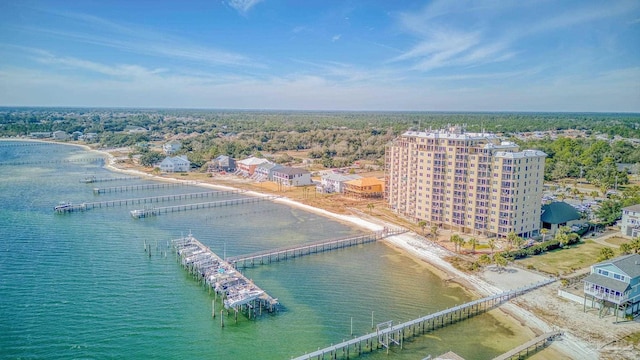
(428,253)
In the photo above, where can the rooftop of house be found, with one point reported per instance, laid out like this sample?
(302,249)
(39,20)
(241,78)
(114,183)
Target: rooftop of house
(369,181)
(558,212)
(634,208)
(287,170)
(252,161)
(628,264)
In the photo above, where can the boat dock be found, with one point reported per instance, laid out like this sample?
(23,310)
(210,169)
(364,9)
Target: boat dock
(82,160)
(531,347)
(153,199)
(387,334)
(276,255)
(117,189)
(237,292)
(142,213)
(93,179)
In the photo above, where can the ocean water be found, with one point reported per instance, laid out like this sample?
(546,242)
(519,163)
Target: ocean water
(81,285)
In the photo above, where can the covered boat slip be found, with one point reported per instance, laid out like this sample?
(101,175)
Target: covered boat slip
(217,274)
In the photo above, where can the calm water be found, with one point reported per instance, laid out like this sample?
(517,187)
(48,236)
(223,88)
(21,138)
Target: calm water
(81,286)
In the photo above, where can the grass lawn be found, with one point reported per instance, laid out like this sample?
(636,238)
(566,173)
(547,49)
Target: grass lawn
(565,261)
(616,240)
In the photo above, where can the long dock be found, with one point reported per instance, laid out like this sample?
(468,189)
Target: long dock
(93,179)
(142,213)
(387,334)
(531,347)
(146,200)
(118,189)
(237,292)
(291,252)
(82,160)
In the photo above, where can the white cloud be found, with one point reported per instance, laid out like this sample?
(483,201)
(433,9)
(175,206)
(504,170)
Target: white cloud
(336,37)
(243,6)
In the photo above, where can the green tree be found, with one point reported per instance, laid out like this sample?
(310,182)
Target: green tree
(455,239)
(626,248)
(635,244)
(544,233)
(492,244)
(605,254)
(473,242)
(484,260)
(150,158)
(422,225)
(500,261)
(370,206)
(610,210)
(434,231)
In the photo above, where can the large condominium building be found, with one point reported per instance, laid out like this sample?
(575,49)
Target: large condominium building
(469,182)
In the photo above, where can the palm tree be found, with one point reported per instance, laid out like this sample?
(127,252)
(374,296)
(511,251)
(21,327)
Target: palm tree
(518,242)
(500,261)
(626,248)
(370,206)
(635,244)
(511,238)
(594,194)
(434,231)
(422,225)
(544,233)
(484,260)
(455,239)
(492,244)
(473,242)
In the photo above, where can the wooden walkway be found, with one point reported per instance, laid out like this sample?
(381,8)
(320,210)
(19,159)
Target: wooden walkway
(142,213)
(118,189)
(93,179)
(83,160)
(291,252)
(145,200)
(387,334)
(531,347)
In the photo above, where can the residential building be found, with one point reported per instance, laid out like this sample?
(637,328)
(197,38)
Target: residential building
(470,182)
(290,176)
(264,171)
(333,182)
(364,187)
(171,147)
(222,163)
(630,223)
(40,135)
(557,214)
(175,164)
(60,135)
(615,284)
(248,166)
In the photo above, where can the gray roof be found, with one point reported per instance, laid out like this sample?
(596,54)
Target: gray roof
(292,171)
(341,177)
(628,264)
(607,282)
(634,208)
(558,212)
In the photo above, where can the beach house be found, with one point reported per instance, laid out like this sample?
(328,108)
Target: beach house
(614,285)
(364,188)
(290,176)
(630,223)
(334,183)
(171,147)
(248,166)
(175,164)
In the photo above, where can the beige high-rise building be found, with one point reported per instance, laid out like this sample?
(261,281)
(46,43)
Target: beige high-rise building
(470,182)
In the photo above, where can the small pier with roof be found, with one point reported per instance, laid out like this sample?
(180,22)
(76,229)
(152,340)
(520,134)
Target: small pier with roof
(237,292)
(291,252)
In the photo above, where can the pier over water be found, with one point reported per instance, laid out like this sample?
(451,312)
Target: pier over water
(237,292)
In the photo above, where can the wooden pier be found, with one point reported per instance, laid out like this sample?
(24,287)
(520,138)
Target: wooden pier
(146,200)
(118,189)
(236,291)
(82,160)
(142,213)
(531,347)
(387,334)
(291,252)
(93,179)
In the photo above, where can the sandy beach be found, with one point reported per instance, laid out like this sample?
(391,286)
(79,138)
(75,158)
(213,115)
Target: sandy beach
(540,311)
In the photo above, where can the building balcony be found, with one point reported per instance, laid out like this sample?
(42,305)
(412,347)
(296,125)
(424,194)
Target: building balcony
(602,295)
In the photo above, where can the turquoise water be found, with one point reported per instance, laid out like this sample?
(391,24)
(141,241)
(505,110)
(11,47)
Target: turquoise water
(81,285)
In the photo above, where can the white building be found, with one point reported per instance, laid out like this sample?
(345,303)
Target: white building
(630,223)
(175,164)
(60,135)
(171,147)
(290,176)
(333,182)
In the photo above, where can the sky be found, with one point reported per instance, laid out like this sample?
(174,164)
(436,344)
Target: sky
(360,55)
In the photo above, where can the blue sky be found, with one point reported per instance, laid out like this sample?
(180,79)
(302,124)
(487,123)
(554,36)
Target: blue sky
(449,55)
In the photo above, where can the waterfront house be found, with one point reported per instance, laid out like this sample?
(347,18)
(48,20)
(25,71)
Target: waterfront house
(248,166)
(60,135)
(175,164)
(557,214)
(333,182)
(222,163)
(290,176)
(630,223)
(171,147)
(40,135)
(264,171)
(614,284)
(369,187)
